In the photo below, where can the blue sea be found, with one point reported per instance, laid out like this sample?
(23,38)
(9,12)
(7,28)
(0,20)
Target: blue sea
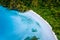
(15,25)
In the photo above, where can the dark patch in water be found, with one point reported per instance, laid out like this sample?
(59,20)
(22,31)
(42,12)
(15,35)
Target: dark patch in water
(26,20)
(38,24)
(34,30)
(31,38)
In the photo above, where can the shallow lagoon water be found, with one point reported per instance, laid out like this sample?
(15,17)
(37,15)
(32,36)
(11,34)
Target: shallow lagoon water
(15,25)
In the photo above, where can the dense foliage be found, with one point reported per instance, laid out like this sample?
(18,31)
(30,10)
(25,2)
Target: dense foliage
(48,9)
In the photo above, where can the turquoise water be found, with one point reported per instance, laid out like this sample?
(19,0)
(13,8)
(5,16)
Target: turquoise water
(17,26)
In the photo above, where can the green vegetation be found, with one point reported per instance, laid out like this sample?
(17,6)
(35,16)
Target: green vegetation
(48,9)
